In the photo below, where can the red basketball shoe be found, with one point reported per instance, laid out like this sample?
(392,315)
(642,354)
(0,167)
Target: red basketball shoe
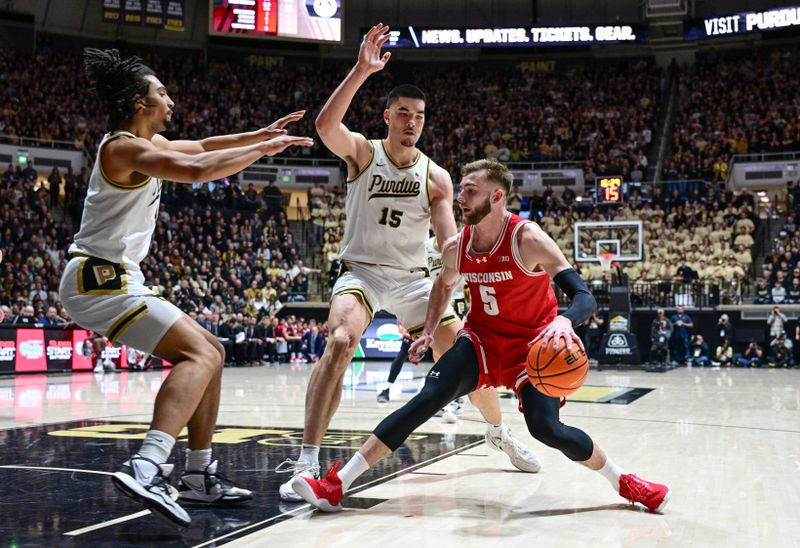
(653,495)
(325,494)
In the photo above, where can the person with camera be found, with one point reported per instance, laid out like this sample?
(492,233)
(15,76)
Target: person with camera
(725,327)
(752,355)
(780,352)
(699,352)
(660,334)
(776,322)
(724,354)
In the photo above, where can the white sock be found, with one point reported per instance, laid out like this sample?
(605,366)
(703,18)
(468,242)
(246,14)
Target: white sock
(157,446)
(354,468)
(309,454)
(495,430)
(197,459)
(612,472)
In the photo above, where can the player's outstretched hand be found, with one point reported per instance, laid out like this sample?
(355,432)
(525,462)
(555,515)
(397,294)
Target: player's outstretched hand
(275,129)
(559,328)
(418,348)
(369,54)
(279,144)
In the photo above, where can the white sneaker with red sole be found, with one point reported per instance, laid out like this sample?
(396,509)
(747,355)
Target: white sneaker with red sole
(324,494)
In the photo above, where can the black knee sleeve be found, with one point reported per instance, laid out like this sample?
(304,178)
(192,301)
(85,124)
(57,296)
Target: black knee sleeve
(541,416)
(454,375)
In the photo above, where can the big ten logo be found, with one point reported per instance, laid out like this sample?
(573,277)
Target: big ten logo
(7,351)
(574,356)
(104,273)
(266,61)
(59,350)
(538,66)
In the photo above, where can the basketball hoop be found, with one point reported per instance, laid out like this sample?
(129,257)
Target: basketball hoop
(605,260)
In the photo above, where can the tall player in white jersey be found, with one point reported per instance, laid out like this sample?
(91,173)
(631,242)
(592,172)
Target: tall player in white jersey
(102,285)
(394,192)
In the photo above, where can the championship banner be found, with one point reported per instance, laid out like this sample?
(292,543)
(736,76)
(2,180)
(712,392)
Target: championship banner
(112,10)
(132,12)
(154,13)
(174,15)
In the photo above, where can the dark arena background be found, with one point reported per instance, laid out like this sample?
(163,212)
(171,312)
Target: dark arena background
(657,142)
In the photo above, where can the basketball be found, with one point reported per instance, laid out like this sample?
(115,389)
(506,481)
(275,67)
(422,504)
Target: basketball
(557,371)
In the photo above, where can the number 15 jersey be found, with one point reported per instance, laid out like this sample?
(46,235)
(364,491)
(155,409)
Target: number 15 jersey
(388,211)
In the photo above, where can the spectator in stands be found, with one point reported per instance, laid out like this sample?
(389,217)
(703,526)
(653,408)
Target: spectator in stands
(682,326)
(312,343)
(50,319)
(594,333)
(763,294)
(723,354)
(752,356)
(514,200)
(778,291)
(699,353)
(25,317)
(776,322)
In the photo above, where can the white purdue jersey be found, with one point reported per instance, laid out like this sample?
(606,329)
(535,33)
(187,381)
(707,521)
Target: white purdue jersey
(388,212)
(118,222)
(434,263)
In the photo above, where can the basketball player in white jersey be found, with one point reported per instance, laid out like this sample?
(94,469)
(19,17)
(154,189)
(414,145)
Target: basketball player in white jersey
(102,285)
(394,192)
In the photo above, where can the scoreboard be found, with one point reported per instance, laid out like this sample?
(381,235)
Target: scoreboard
(609,190)
(304,20)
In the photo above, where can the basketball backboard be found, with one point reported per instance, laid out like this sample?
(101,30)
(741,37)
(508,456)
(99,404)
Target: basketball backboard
(623,238)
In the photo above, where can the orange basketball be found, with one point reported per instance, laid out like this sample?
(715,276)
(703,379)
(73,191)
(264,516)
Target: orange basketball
(557,371)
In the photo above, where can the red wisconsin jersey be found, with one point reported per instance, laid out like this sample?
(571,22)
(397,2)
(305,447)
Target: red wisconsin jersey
(507,299)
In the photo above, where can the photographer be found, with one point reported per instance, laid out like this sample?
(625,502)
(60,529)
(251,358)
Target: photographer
(724,354)
(660,333)
(776,322)
(725,330)
(751,357)
(781,352)
(699,352)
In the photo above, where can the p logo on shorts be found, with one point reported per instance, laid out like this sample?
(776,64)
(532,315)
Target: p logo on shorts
(100,277)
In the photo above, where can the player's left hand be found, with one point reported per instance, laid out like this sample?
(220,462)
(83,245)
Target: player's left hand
(418,348)
(559,328)
(276,128)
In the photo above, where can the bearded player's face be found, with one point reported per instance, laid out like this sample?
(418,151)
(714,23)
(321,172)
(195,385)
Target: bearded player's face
(474,197)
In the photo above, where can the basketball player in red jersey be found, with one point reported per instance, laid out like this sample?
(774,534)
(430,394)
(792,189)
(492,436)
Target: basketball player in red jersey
(508,263)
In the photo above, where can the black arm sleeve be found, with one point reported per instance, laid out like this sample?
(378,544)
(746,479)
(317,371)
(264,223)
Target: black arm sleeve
(582,303)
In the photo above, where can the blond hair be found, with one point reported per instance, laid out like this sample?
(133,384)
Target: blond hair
(495,172)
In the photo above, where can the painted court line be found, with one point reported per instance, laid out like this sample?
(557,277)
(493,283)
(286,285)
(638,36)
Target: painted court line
(108,523)
(55,469)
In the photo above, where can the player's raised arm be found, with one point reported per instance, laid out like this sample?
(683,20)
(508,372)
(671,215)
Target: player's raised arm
(538,250)
(441,293)
(441,196)
(123,157)
(220,142)
(352,147)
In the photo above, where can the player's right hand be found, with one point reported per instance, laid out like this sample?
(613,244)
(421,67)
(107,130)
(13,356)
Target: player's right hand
(369,53)
(419,347)
(279,144)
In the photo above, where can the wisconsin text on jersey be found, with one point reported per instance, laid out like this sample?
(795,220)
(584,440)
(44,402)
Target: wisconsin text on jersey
(488,277)
(388,188)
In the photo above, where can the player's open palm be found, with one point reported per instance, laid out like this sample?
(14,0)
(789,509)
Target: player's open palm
(559,328)
(276,128)
(279,144)
(369,54)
